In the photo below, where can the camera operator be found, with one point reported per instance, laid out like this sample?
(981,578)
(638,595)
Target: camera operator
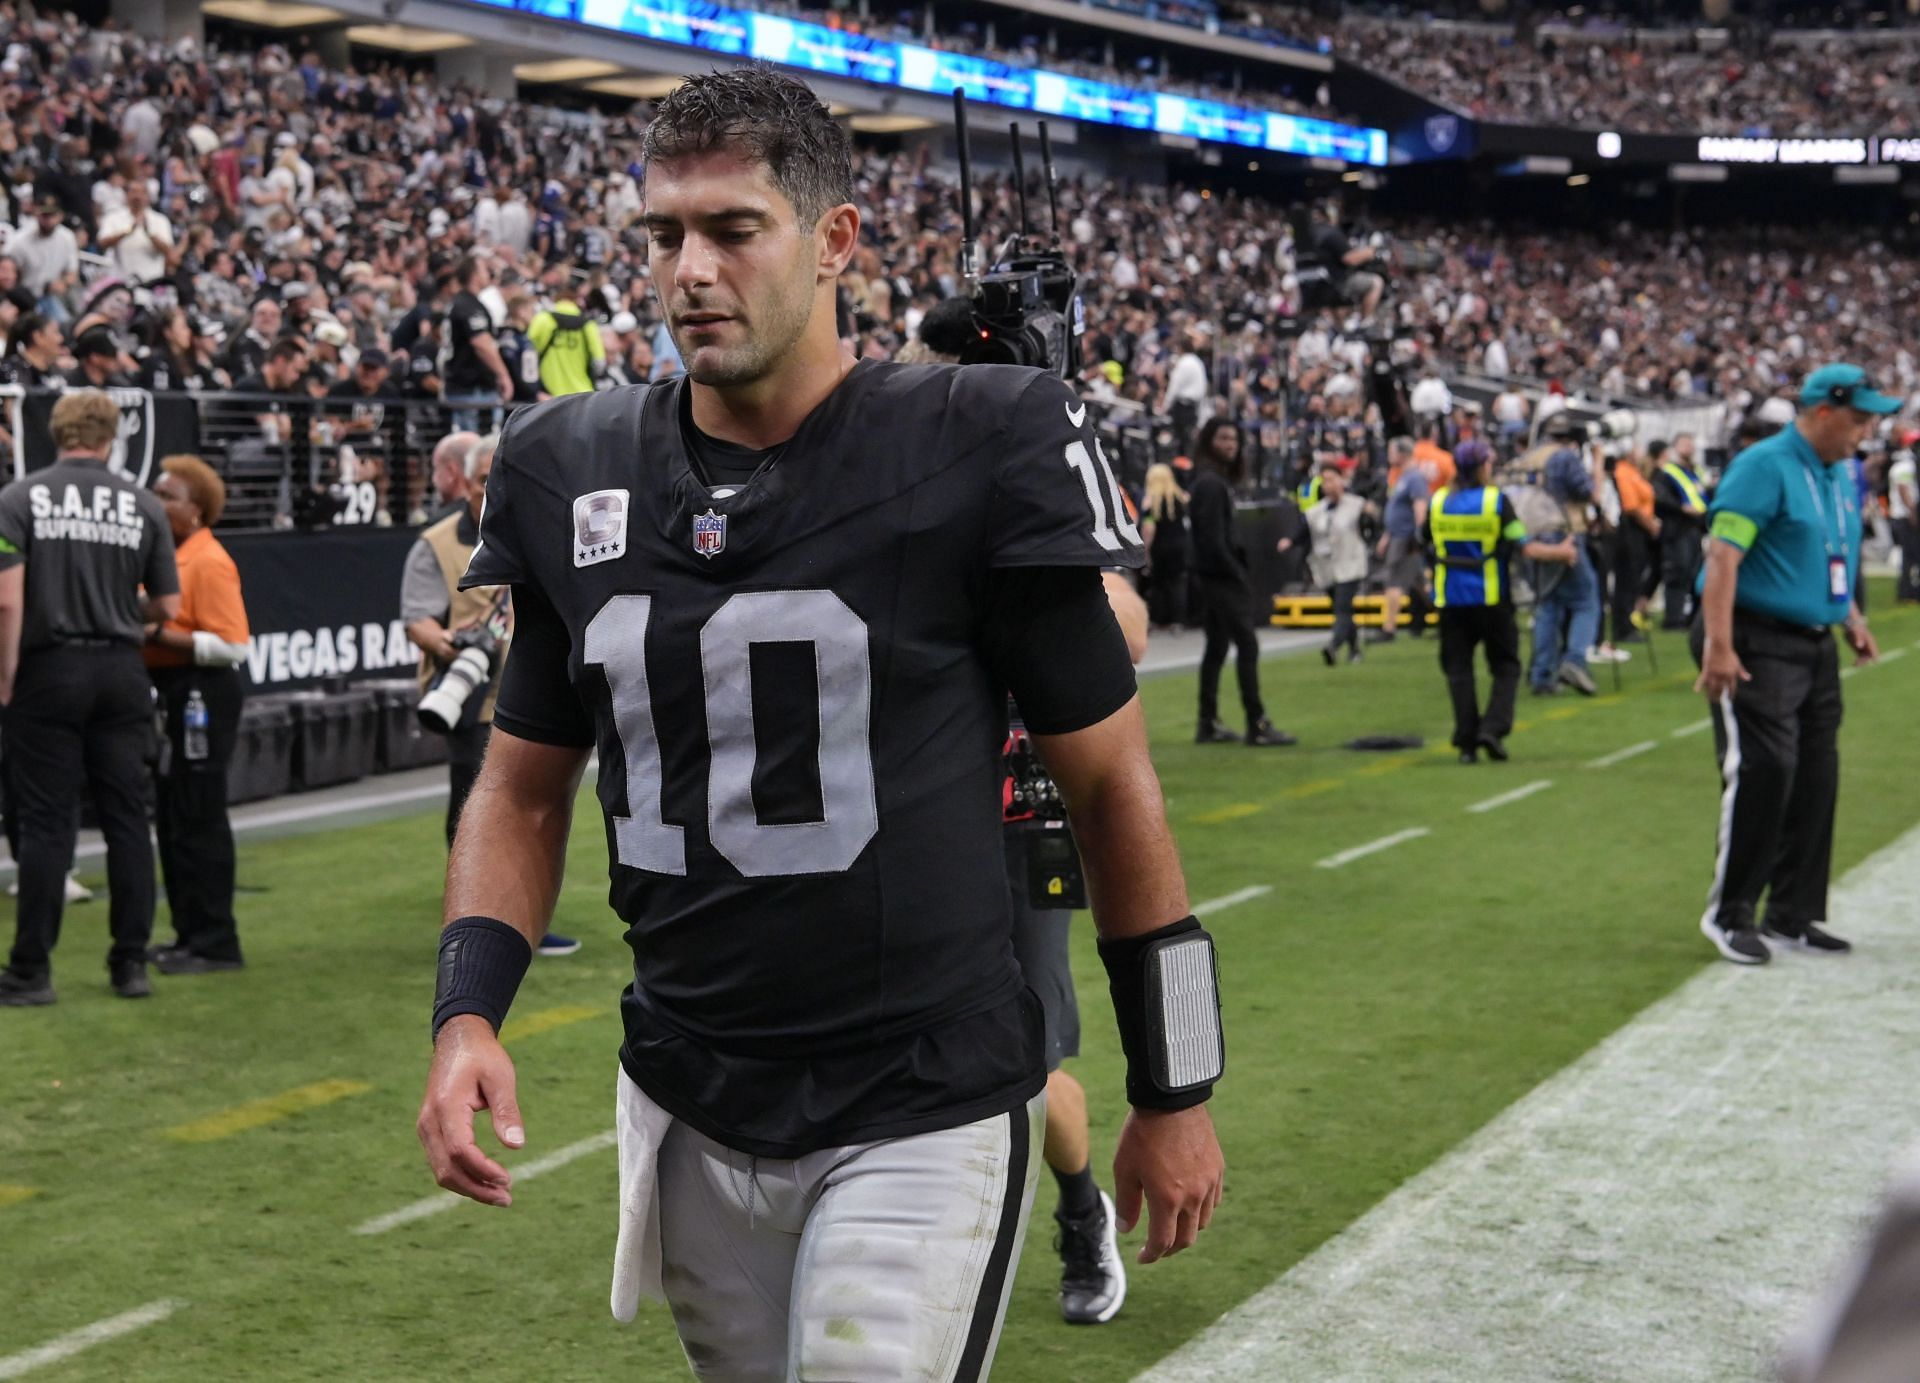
(1566,616)
(437,613)
(1328,246)
(1680,499)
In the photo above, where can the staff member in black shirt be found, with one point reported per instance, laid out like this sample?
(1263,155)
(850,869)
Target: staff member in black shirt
(471,367)
(1224,592)
(77,544)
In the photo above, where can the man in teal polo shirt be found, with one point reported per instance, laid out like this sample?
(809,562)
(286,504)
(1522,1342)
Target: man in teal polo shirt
(1781,570)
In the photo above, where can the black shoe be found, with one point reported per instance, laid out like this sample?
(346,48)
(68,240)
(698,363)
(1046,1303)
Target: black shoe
(1326,656)
(1467,756)
(1378,636)
(131,982)
(1264,731)
(1494,748)
(1215,732)
(1353,654)
(184,962)
(1741,945)
(17,991)
(156,954)
(1093,1283)
(1809,938)
(554,944)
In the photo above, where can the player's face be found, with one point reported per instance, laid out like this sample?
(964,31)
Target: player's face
(735,270)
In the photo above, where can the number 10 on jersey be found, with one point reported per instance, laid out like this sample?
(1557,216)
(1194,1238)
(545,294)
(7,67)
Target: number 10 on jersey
(616,640)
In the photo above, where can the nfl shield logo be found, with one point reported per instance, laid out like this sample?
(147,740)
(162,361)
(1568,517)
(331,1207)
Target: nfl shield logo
(709,533)
(1442,131)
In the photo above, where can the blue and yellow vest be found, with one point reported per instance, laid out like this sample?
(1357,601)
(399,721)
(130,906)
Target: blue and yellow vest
(1690,492)
(1466,524)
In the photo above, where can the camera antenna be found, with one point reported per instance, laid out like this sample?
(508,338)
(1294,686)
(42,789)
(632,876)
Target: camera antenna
(966,185)
(1053,197)
(1020,179)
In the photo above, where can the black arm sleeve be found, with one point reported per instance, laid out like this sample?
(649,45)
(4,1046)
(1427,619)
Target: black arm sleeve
(1053,642)
(537,700)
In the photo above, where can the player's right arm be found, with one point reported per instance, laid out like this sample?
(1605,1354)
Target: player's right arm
(507,865)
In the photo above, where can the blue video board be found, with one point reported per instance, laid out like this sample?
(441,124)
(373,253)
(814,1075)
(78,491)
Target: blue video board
(913,67)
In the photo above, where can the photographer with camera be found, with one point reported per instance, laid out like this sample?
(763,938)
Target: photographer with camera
(462,637)
(1327,245)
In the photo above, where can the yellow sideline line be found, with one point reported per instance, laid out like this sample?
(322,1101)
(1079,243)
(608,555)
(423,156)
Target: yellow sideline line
(533,1024)
(255,1113)
(1313,788)
(13,1195)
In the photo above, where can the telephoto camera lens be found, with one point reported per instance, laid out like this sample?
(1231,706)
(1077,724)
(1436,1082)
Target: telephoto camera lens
(440,708)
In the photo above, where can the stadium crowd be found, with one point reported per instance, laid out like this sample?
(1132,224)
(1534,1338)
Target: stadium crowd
(176,213)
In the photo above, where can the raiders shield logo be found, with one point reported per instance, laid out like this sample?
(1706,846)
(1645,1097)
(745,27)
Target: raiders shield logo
(1442,131)
(710,533)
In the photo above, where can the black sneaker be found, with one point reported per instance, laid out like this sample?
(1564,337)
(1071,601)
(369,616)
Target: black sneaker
(1810,938)
(1093,1283)
(1264,731)
(1467,756)
(173,948)
(1215,732)
(1494,748)
(1326,656)
(1741,945)
(18,991)
(184,962)
(131,982)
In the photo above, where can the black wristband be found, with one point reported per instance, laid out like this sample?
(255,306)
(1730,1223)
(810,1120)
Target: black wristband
(1136,1008)
(482,962)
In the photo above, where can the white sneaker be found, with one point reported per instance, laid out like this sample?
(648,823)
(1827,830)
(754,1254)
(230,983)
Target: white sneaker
(1607,654)
(77,892)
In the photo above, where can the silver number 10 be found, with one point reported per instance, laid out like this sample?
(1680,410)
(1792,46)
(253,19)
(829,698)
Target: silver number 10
(616,640)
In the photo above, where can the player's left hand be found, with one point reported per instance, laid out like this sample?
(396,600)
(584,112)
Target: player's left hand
(1173,1161)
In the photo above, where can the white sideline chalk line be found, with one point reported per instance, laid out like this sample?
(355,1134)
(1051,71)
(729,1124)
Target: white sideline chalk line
(447,1200)
(1893,655)
(1620,756)
(1245,895)
(1517,795)
(1373,847)
(86,1337)
(1645,1213)
(1705,723)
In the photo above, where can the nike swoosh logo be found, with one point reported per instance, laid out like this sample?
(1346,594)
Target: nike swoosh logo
(1077,419)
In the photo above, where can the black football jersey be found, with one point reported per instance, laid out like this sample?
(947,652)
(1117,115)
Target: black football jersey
(800,732)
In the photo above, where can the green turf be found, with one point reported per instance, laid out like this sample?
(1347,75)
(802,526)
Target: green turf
(1376,1015)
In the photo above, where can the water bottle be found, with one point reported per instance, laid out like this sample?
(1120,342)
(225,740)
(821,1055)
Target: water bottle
(195,723)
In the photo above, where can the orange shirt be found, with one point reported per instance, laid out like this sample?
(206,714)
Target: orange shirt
(1435,462)
(209,598)
(1636,491)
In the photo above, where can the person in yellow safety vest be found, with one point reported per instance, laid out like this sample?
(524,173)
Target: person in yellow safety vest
(1680,500)
(1472,530)
(1310,493)
(568,344)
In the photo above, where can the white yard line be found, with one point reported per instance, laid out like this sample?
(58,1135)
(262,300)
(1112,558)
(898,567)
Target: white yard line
(1666,1209)
(1373,847)
(1517,795)
(1893,655)
(1232,900)
(1705,723)
(446,1200)
(1620,756)
(86,1337)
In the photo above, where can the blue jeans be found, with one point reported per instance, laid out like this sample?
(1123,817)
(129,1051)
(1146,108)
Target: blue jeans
(1566,621)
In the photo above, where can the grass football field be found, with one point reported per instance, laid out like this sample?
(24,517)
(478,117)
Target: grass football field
(216,1147)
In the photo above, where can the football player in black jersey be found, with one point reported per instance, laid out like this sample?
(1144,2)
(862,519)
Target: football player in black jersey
(785,596)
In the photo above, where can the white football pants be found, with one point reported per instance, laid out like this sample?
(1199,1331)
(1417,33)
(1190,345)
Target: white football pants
(875,1263)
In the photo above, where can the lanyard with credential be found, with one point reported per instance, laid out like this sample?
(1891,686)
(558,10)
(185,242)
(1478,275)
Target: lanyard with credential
(1833,534)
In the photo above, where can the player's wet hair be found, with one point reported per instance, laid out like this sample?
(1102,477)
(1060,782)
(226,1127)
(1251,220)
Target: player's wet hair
(765,116)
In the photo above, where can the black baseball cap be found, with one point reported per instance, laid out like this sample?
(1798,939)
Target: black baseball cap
(374,359)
